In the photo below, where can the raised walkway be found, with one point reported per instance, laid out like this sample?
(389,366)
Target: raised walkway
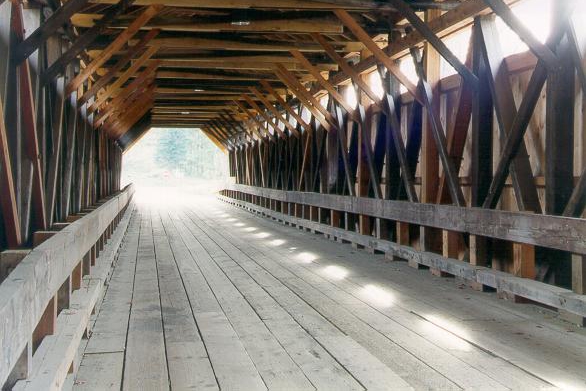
(208,296)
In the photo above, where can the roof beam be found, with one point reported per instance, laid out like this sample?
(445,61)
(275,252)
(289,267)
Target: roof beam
(347,68)
(323,82)
(443,25)
(377,52)
(253,104)
(83,42)
(426,32)
(273,110)
(285,105)
(114,88)
(206,76)
(241,64)
(116,45)
(304,25)
(265,4)
(102,81)
(49,27)
(139,81)
(308,100)
(221,44)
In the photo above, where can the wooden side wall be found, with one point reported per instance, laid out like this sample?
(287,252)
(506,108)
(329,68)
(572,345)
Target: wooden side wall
(358,155)
(54,164)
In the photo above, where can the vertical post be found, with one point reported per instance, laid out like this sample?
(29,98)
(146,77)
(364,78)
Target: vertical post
(429,237)
(76,276)
(47,323)
(559,150)
(22,368)
(481,154)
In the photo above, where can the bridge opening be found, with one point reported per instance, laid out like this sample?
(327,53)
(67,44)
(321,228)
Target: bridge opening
(170,162)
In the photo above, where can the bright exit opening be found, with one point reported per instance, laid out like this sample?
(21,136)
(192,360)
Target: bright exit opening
(183,161)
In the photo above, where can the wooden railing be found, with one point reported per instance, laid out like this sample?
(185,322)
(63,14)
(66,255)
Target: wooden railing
(46,285)
(315,211)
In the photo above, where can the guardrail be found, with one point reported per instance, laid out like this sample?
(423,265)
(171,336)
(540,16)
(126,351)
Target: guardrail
(314,212)
(36,292)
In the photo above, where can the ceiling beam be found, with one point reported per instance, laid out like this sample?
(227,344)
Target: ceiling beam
(116,45)
(114,88)
(265,4)
(305,25)
(121,63)
(83,42)
(242,65)
(49,27)
(221,44)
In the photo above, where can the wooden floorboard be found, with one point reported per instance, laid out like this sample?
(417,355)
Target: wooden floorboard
(208,296)
(188,361)
(514,333)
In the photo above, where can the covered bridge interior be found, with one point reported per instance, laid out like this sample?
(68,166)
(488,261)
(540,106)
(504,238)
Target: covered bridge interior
(437,181)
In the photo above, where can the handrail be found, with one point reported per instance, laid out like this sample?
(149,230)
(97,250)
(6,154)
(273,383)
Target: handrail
(563,299)
(557,232)
(35,281)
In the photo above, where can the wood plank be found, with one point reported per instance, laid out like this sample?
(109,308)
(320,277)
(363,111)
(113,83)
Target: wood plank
(100,371)
(403,327)
(232,366)
(188,361)
(145,362)
(111,326)
(495,325)
(365,368)
(275,366)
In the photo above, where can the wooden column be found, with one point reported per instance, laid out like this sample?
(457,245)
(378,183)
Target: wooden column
(481,153)
(430,238)
(559,146)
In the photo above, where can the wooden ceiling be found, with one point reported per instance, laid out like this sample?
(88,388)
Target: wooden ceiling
(228,66)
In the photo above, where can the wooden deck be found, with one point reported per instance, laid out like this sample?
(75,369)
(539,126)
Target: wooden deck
(205,295)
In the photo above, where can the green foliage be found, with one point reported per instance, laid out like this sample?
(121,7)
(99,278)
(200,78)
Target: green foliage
(174,147)
(190,152)
(165,156)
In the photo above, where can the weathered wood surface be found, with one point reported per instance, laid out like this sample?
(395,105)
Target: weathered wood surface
(56,355)
(25,293)
(563,233)
(550,295)
(240,302)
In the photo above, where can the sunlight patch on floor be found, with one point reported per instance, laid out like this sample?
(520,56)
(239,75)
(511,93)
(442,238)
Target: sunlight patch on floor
(335,272)
(306,257)
(377,296)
